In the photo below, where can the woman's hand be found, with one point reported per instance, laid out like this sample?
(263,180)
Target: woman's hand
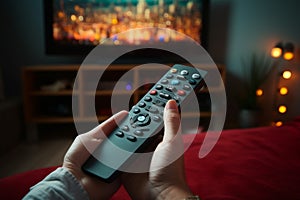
(166,178)
(79,152)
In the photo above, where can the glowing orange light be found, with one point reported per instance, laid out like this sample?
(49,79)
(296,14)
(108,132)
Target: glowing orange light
(282,109)
(278,123)
(259,92)
(114,21)
(80,18)
(287,74)
(73,18)
(288,55)
(61,14)
(283,90)
(288,51)
(276,52)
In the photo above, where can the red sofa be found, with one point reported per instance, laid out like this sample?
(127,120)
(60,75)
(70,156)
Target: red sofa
(259,163)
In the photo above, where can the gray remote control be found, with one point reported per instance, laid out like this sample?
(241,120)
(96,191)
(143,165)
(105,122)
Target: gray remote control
(143,122)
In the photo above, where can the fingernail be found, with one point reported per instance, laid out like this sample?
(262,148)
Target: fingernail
(171,105)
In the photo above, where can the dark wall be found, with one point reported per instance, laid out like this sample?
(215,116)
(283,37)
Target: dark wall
(22,33)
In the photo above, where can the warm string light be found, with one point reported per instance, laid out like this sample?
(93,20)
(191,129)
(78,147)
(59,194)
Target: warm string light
(283,91)
(288,55)
(277,50)
(287,74)
(278,123)
(282,109)
(259,92)
(286,51)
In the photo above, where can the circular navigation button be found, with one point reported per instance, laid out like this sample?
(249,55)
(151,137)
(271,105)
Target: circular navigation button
(141,118)
(175,82)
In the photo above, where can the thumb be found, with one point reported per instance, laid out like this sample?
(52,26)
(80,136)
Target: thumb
(171,121)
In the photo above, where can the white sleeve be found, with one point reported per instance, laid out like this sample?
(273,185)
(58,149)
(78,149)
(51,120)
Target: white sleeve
(60,184)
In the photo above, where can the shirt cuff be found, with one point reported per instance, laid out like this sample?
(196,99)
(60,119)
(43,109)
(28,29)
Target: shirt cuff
(60,184)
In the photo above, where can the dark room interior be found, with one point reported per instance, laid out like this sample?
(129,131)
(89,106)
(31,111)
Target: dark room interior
(249,42)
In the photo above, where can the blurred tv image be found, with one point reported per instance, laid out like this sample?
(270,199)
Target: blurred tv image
(89,22)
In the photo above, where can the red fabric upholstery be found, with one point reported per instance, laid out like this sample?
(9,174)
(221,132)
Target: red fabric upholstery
(260,163)
(15,187)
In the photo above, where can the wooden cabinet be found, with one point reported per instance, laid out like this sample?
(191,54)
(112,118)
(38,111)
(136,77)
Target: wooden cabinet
(50,90)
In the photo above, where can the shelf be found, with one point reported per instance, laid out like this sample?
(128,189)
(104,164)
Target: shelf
(193,114)
(55,119)
(54,93)
(108,92)
(41,106)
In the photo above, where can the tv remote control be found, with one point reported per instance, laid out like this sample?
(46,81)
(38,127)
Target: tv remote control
(144,121)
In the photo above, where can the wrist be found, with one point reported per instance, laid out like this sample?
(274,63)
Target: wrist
(175,192)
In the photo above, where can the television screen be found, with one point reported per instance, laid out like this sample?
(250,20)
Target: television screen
(76,26)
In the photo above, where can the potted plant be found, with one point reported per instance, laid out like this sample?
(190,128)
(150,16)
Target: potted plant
(255,72)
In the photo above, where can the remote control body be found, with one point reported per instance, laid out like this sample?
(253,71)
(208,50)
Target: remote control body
(143,122)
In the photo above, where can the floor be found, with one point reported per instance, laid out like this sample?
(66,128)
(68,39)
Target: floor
(46,152)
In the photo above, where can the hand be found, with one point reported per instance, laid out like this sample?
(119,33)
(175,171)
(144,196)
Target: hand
(164,180)
(78,154)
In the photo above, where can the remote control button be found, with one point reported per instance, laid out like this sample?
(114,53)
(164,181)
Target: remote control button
(151,109)
(159,103)
(148,99)
(176,98)
(180,77)
(138,132)
(156,118)
(164,81)
(131,138)
(173,71)
(184,72)
(164,95)
(169,76)
(153,92)
(141,118)
(186,87)
(196,76)
(120,134)
(192,81)
(125,128)
(136,110)
(171,88)
(175,82)
(142,104)
(159,87)
(181,92)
